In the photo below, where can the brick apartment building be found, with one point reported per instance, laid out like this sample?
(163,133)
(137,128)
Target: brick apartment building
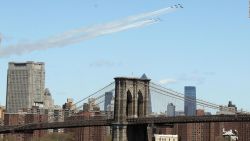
(14,119)
(35,118)
(21,119)
(88,133)
(206,131)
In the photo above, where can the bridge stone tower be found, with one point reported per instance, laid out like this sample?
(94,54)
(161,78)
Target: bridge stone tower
(131,101)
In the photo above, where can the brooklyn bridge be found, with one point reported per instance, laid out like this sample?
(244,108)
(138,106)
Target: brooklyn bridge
(132,118)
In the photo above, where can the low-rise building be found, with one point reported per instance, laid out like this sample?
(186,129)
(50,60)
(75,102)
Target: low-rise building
(95,133)
(200,112)
(179,113)
(227,110)
(24,117)
(90,111)
(158,137)
(69,108)
(2,111)
(35,118)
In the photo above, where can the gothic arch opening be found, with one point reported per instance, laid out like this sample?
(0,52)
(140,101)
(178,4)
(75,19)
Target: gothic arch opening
(129,104)
(140,104)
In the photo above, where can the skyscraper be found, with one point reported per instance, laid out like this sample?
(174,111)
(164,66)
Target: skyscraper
(48,102)
(171,110)
(108,98)
(190,101)
(25,85)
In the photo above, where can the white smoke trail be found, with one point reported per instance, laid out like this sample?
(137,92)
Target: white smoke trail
(82,34)
(1,38)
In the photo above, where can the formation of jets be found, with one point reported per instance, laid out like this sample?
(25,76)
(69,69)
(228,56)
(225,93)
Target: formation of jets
(177,6)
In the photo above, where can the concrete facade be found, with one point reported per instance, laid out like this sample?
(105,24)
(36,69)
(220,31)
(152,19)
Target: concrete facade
(171,110)
(25,85)
(48,101)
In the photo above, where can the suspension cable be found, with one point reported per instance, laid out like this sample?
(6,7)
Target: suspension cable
(94,93)
(186,98)
(174,95)
(181,93)
(182,98)
(96,99)
(216,106)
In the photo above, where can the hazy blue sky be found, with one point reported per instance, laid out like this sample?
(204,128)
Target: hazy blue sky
(206,44)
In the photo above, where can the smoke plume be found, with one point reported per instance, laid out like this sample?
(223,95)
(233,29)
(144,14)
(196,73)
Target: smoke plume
(85,33)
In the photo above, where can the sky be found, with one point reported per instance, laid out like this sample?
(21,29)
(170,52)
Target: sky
(206,44)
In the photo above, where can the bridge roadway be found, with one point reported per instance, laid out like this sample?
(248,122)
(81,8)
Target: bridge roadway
(131,121)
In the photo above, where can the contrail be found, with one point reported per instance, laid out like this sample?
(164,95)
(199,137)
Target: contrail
(86,33)
(1,38)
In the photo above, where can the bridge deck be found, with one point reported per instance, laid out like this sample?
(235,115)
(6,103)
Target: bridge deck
(130,121)
(190,119)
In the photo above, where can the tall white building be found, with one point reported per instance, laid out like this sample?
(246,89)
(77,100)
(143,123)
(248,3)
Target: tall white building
(25,86)
(48,102)
(171,110)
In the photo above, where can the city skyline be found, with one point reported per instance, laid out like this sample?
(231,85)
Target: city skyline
(131,106)
(214,59)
